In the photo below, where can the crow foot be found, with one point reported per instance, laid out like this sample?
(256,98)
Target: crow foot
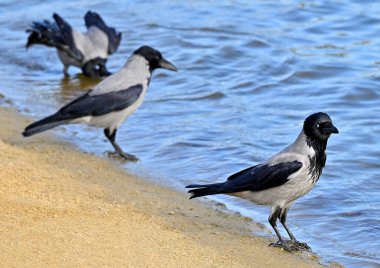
(123,156)
(286,245)
(300,245)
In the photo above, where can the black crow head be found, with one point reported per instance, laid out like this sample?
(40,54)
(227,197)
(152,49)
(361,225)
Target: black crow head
(319,126)
(96,68)
(155,59)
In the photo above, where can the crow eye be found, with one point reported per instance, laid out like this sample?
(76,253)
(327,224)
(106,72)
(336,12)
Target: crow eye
(317,125)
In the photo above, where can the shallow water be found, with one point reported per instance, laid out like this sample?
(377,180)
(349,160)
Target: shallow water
(249,75)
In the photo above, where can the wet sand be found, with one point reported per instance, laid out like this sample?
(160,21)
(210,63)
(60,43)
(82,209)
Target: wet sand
(65,208)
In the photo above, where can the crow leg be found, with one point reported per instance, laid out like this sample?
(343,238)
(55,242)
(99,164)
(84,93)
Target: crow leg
(66,70)
(275,213)
(298,245)
(111,137)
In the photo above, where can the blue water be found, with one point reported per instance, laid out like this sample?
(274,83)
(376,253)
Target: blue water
(250,72)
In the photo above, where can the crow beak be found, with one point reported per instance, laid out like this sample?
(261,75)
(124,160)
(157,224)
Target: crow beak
(330,130)
(167,65)
(103,71)
(334,130)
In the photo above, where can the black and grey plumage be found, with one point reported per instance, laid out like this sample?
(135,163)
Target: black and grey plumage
(112,100)
(88,51)
(283,178)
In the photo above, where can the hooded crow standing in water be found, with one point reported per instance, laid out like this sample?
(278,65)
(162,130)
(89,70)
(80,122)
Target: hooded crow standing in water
(283,178)
(88,51)
(112,100)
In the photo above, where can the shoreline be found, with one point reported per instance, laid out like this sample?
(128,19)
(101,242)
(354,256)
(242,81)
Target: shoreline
(63,207)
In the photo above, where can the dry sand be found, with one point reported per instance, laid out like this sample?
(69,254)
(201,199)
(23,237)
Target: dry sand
(63,208)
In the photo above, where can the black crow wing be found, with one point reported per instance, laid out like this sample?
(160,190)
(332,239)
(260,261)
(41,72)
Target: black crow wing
(114,37)
(87,105)
(261,177)
(64,38)
(256,178)
(96,105)
(54,34)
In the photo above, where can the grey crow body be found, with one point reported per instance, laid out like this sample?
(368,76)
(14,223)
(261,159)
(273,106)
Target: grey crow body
(88,51)
(112,100)
(283,178)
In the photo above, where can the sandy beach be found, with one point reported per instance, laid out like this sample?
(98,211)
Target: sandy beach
(64,208)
